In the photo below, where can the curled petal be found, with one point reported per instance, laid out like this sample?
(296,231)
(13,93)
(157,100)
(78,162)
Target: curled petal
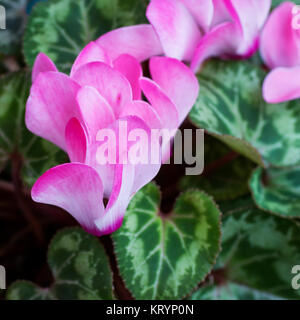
(256,9)
(95,111)
(139,41)
(175,26)
(250,15)
(76,141)
(91,53)
(128,177)
(131,69)
(110,83)
(279,42)
(202,11)
(221,12)
(112,219)
(177,81)
(161,103)
(75,188)
(282,84)
(50,106)
(148,161)
(144,111)
(42,63)
(221,40)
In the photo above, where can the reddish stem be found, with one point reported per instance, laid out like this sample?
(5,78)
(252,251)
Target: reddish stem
(216,165)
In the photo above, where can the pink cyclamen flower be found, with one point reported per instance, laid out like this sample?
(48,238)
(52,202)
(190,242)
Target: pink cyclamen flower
(101,92)
(280,50)
(193,30)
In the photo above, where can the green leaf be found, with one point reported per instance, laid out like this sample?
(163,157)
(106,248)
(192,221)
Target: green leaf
(61,28)
(224,177)
(16,17)
(37,154)
(231,107)
(276,3)
(26,290)
(277,190)
(259,250)
(164,257)
(230,291)
(80,270)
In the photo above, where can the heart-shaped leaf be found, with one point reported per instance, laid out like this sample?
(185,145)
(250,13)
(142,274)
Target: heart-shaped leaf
(230,291)
(277,190)
(61,28)
(230,106)
(225,175)
(259,251)
(166,256)
(80,270)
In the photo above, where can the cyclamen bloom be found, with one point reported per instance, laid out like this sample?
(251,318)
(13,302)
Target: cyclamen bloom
(193,30)
(99,93)
(280,50)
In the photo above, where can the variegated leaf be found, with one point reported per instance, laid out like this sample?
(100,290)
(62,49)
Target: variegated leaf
(231,107)
(80,270)
(276,3)
(277,190)
(259,251)
(230,291)
(61,28)
(165,256)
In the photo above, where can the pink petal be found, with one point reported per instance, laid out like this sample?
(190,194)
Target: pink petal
(42,64)
(144,172)
(76,141)
(144,111)
(139,41)
(202,11)
(122,130)
(112,219)
(280,43)
(164,107)
(282,84)
(222,12)
(175,26)
(223,39)
(131,69)
(128,179)
(177,81)
(250,15)
(105,172)
(91,53)
(75,188)
(110,83)
(96,112)
(50,106)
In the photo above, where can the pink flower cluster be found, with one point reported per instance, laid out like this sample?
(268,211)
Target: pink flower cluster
(193,30)
(100,92)
(106,84)
(280,50)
